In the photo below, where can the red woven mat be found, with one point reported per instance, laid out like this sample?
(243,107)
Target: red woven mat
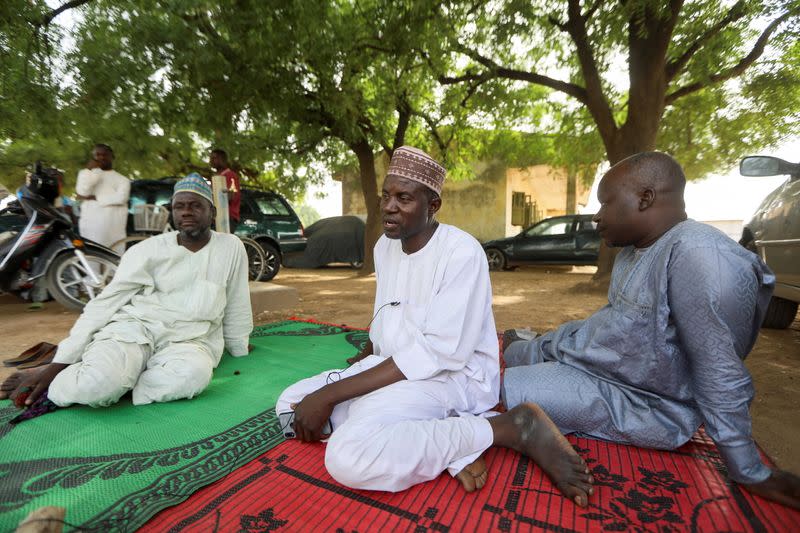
(288,489)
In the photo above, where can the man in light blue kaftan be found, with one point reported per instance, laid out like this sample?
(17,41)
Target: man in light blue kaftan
(666,354)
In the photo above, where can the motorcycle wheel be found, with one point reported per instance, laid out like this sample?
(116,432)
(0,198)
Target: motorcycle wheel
(256,261)
(68,282)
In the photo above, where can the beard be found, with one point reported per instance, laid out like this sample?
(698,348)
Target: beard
(195,233)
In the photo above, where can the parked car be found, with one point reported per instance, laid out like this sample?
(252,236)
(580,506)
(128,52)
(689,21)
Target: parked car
(333,240)
(265,216)
(774,234)
(564,240)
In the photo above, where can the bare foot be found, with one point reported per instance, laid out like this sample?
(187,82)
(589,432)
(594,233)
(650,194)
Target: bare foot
(25,386)
(474,475)
(528,430)
(12,382)
(781,486)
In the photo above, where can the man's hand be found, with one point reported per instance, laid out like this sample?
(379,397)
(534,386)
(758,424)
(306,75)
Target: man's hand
(90,197)
(92,164)
(310,416)
(781,486)
(23,388)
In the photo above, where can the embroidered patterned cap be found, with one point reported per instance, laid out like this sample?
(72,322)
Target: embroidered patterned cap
(195,183)
(414,164)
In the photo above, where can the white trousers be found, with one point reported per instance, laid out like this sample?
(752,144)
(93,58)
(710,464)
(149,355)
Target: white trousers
(397,436)
(111,368)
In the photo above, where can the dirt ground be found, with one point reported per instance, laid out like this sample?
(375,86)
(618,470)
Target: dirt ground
(534,297)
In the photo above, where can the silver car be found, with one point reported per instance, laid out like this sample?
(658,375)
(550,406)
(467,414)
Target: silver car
(774,234)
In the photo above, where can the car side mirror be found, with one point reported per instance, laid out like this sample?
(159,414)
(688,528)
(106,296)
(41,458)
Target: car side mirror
(762,165)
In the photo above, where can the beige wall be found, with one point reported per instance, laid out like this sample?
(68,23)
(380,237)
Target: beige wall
(482,206)
(547,187)
(476,206)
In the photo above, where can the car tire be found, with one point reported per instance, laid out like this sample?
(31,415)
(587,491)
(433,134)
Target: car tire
(497,259)
(780,313)
(272,261)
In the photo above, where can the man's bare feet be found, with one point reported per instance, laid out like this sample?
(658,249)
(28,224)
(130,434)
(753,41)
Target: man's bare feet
(25,386)
(474,475)
(782,487)
(12,382)
(528,430)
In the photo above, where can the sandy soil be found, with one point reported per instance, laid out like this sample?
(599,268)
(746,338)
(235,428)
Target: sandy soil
(537,298)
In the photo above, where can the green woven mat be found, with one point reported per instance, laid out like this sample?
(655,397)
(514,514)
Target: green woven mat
(113,468)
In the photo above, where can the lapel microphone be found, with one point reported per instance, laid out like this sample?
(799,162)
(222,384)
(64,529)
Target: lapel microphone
(393,304)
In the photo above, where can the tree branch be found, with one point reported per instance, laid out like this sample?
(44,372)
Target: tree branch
(735,13)
(497,71)
(432,126)
(592,9)
(738,68)
(403,120)
(202,23)
(594,98)
(48,18)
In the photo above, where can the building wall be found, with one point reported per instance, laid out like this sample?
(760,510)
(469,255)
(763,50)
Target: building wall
(476,206)
(547,187)
(481,207)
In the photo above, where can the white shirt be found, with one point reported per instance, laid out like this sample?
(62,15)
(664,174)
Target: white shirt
(103,220)
(163,293)
(443,327)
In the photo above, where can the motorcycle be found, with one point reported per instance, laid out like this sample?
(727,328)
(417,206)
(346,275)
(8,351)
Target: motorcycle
(42,250)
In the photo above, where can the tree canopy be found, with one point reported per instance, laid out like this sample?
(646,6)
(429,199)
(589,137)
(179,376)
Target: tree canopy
(297,89)
(707,80)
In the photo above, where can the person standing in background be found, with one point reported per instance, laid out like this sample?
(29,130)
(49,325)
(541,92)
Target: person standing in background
(104,194)
(218,160)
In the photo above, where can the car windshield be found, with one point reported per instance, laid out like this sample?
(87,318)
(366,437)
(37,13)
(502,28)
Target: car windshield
(271,205)
(550,227)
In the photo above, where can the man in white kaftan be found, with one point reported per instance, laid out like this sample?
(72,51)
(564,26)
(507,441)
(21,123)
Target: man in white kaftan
(442,337)
(104,193)
(410,405)
(160,327)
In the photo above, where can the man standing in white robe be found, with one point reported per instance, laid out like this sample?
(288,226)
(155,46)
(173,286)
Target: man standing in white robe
(409,406)
(160,327)
(104,194)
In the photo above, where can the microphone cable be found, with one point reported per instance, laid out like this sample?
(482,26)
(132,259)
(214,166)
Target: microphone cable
(393,304)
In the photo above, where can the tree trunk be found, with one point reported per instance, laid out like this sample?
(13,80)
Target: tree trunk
(369,187)
(627,142)
(572,196)
(638,134)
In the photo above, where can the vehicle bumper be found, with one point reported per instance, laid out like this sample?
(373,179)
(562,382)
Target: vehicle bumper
(294,245)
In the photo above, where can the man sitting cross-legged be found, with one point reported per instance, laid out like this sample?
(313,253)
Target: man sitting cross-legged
(666,354)
(159,328)
(407,409)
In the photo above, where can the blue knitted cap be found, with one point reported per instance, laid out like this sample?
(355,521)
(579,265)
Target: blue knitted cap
(195,183)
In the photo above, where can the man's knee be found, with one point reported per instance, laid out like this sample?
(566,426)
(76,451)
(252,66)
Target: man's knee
(174,379)
(290,395)
(348,460)
(87,385)
(197,370)
(109,369)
